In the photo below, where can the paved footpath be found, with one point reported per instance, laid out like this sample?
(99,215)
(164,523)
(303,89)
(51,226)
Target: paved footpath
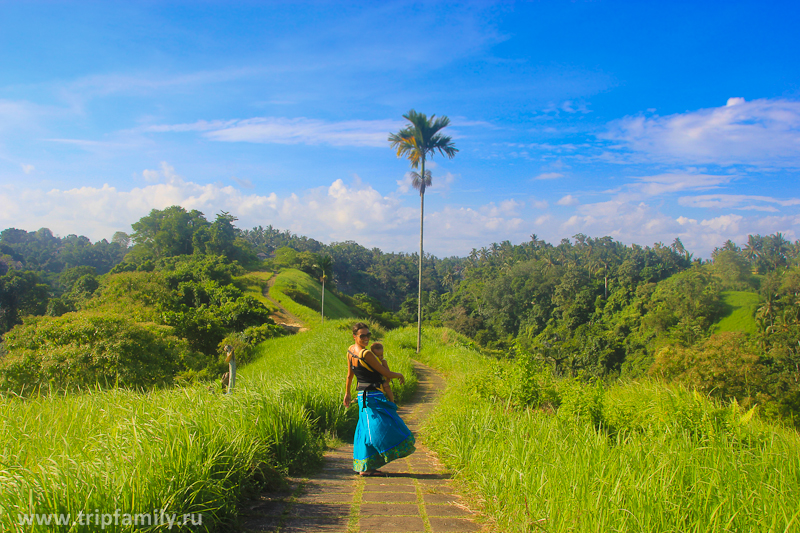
(416,494)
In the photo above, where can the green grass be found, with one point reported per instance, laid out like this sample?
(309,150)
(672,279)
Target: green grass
(742,308)
(254,284)
(301,296)
(187,450)
(637,457)
(183,450)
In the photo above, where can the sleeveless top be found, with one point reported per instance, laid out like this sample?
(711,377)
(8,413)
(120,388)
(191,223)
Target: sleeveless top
(368,379)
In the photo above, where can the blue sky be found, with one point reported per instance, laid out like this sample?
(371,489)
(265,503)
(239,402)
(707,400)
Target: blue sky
(641,121)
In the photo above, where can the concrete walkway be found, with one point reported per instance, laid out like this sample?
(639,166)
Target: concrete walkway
(415,495)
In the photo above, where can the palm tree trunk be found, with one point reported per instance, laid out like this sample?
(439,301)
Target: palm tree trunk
(419,295)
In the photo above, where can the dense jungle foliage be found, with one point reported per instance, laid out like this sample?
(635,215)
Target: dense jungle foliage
(591,308)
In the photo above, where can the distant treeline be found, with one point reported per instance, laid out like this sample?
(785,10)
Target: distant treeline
(590,307)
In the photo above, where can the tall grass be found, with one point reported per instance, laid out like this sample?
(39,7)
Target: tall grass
(189,450)
(184,450)
(628,457)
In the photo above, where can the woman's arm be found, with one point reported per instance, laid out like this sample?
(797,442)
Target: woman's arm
(347,383)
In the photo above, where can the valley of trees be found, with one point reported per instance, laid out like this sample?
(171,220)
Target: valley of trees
(587,307)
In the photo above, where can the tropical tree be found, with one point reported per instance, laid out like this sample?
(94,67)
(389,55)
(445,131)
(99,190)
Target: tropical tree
(753,249)
(418,141)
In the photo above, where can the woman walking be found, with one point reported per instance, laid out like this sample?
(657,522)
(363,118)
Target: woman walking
(381,435)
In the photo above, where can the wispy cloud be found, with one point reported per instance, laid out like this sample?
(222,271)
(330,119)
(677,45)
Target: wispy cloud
(18,116)
(675,182)
(77,93)
(549,176)
(88,144)
(763,132)
(727,201)
(567,106)
(279,130)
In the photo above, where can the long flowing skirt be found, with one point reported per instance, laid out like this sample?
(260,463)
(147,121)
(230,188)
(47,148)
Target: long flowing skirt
(381,435)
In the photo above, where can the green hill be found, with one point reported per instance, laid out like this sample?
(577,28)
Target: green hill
(301,295)
(254,284)
(741,310)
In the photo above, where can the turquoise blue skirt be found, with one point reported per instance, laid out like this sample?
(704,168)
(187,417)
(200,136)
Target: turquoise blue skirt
(381,435)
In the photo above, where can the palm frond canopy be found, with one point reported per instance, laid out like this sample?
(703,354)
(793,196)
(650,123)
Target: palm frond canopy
(422,138)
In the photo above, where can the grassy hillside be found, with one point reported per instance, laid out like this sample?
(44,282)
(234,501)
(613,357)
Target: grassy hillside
(540,454)
(301,295)
(255,284)
(184,450)
(741,309)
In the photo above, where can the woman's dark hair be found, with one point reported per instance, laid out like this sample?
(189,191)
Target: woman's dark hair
(358,326)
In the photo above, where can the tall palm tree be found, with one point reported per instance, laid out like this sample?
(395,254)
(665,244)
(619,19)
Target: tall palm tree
(753,250)
(418,141)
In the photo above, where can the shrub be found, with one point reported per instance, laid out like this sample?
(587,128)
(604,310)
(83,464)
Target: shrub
(79,350)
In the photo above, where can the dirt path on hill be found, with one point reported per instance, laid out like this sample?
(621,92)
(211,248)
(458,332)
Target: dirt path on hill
(415,496)
(282,316)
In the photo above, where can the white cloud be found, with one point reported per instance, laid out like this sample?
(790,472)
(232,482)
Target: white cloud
(727,201)
(669,183)
(27,169)
(98,212)
(762,132)
(357,211)
(568,200)
(404,185)
(645,187)
(726,223)
(455,231)
(443,183)
(549,176)
(505,209)
(567,106)
(166,174)
(338,212)
(641,223)
(765,208)
(151,176)
(280,130)
(539,204)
